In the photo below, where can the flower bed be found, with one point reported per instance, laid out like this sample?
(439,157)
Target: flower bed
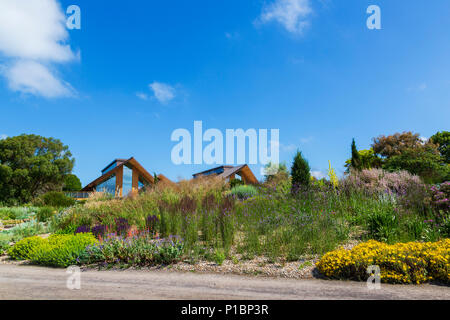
(411,262)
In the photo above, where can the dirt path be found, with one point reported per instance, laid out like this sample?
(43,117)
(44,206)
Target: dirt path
(30,282)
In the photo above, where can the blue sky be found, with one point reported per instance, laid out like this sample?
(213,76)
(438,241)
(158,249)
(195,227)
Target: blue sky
(138,70)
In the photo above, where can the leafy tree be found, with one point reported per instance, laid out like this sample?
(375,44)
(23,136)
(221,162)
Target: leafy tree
(300,172)
(395,144)
(31,165)
(406,151)
(424,161)
(356,159)
(72,183)
(442,139)
(368,160)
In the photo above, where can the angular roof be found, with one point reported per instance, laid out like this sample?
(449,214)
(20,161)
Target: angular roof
(228,171)
(120,163)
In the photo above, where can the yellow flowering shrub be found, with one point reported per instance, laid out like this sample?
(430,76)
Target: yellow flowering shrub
(411,262)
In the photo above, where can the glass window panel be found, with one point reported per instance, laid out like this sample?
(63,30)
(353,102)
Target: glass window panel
(108,186)
(127,181)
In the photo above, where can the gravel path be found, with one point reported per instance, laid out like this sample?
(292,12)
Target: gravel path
(31,282)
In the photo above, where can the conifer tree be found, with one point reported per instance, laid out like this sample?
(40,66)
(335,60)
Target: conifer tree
(356,158)
(300,172)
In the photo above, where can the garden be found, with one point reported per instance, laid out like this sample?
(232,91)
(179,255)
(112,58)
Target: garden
(337,227)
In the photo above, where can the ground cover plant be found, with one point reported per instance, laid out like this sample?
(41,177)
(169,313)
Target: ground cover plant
(56,250)
(411,262)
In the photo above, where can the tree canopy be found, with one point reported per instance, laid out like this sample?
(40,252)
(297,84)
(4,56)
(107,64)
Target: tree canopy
(72,183)
(300,172)
(31,165)
(442,139)
(407,151)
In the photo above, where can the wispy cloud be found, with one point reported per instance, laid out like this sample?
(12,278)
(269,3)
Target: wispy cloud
(3,136)
(142,96)
(306,140)
(418,88)
(232,35)
(163,92)
(318,174)
(293,15)
(33,38)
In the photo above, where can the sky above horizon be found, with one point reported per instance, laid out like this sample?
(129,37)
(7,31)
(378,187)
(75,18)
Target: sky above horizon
(134,73)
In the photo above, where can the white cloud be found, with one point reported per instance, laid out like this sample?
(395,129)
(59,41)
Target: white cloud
(318,174)
(3,136)
(306,140)
(293,15)
(163,92)
(32,77)
(142,96)
(422,86)
(33,36)
(418,88)
(288,147)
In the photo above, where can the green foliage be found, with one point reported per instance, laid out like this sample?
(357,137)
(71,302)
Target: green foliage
(244,191)
(219,256)
(235,183)
(396,144)
(26,229)
(423,161)
(72,183)
(31,164)
(406,151)
(4,245)
(56,250)
(45,213)
(442,139)
(55,199)
(23,249)
(300,172)
(355,161)
(17,213)
(368,160)
(139,250)
(382,225)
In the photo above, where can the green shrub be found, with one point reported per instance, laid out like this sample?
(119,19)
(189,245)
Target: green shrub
(54,199)
(56,250)
(219,256)
(4,245)
(25,230)
(244,191)
(382,225)
(45,213)
(300,172)
(235,183)
(22,250)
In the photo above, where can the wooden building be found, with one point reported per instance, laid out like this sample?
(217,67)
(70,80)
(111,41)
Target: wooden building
(230,172)
(121,177)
